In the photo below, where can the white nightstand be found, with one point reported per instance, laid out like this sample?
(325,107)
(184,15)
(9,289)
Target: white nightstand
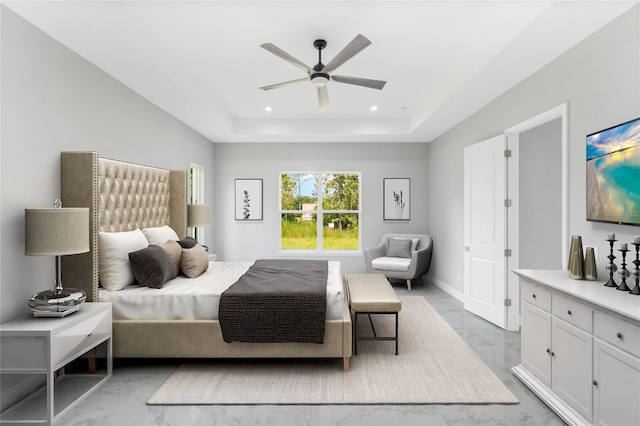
(43,346)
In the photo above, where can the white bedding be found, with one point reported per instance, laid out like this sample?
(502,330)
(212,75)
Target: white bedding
(198,298)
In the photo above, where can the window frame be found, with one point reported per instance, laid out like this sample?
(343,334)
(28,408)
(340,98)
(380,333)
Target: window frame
(319,212)
(196,195)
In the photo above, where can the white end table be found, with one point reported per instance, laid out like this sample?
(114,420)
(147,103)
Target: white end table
(43,346)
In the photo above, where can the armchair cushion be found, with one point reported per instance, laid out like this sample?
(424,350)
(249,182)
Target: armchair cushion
(386,263)
(399,247)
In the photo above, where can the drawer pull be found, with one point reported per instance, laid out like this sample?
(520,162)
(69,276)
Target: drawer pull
(569,312)
(90,334)
(619,336)
(548,350)
(595,383)
(553,353)
(534,296)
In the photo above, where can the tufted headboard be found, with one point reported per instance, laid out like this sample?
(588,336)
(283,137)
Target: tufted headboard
(121,197)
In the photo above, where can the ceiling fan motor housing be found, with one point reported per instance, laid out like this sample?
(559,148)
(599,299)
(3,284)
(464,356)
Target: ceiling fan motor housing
(319,78)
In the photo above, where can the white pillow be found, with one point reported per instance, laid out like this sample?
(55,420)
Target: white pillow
(160,234)
(115,269)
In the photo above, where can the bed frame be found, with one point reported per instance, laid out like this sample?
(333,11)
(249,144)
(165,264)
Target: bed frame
(124,196)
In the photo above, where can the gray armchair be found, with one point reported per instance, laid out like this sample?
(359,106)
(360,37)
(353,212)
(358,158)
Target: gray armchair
(403,256)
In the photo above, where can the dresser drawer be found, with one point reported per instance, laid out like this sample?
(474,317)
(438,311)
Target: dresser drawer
(536,295)
(79,338)
(573,312)
(619,333)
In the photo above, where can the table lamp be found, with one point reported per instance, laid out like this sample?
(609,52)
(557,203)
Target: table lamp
(198,215)
(56,232)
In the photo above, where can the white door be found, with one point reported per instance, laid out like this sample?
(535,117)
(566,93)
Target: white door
(485,230)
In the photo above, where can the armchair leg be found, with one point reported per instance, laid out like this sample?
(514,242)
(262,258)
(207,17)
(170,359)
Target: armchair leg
(409,284)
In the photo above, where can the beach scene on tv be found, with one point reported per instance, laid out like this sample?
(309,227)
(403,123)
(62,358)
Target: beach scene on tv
(613,174)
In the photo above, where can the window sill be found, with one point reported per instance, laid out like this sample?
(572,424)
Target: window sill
(316,253)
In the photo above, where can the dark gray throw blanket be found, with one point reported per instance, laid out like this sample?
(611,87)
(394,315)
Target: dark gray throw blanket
(276,300)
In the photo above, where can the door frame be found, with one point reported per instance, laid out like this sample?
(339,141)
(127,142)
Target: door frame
(512,140)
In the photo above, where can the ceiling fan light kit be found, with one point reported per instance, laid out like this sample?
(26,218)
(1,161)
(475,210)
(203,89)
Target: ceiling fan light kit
(319,74)
(320,78)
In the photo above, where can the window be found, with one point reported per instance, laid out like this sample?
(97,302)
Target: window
(196,194)
(320,211)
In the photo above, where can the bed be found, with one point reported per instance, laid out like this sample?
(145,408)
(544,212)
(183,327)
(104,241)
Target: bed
(126,197)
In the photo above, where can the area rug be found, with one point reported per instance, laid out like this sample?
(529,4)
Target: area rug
(434,366)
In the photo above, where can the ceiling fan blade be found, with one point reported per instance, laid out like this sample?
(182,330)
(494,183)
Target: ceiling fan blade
(284,55)
(323,96)
(284,83)
(373,84)
(350,50)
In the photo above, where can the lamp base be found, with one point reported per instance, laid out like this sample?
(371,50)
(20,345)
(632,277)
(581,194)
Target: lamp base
(57,303)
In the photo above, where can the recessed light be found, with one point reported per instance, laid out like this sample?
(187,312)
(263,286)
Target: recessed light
(268,109)
(374,108)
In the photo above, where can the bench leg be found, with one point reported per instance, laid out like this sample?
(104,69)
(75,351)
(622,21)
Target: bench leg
(409,284)
(372,327)
(396,333)
(345,361)
(375,335)
(355,333)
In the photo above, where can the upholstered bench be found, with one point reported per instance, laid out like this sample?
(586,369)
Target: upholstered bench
(372,294)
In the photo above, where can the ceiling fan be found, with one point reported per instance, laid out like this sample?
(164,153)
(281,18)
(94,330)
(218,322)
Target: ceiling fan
(319,74)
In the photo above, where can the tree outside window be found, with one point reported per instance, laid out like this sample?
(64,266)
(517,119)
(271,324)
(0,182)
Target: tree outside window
(320,211)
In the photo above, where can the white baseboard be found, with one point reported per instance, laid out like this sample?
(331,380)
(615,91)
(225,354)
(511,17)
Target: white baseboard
(446,288)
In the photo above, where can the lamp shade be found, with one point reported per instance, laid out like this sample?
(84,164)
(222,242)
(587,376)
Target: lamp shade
(56,232)
(198,215)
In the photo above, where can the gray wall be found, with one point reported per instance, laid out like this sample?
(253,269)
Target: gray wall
(540,209)
(53,100)
(599,79)
(238,240)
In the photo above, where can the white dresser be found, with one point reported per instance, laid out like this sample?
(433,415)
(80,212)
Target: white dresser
(580,347)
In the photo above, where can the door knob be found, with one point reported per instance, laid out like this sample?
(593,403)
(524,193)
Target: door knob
(466,248)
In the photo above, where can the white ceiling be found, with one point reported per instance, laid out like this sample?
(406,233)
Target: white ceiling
(201,61)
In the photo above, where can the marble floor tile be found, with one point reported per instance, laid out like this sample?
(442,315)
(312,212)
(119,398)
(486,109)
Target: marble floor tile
(122,400)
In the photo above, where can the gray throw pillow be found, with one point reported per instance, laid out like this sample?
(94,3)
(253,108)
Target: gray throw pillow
(399,247)
(187,242)
(152,266)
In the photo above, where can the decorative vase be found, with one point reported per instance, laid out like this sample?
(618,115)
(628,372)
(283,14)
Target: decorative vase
(576,258)
(590,269)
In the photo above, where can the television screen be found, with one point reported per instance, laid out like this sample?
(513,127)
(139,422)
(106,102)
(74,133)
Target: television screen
(613,174)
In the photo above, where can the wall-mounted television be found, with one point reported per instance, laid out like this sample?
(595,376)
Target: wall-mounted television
(613,174)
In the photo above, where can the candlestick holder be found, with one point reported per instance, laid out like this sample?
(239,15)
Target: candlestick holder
(635,274)
(623,272)
(611,267)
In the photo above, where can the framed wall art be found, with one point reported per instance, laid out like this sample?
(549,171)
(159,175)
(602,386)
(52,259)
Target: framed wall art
(396,199)
(248,199)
